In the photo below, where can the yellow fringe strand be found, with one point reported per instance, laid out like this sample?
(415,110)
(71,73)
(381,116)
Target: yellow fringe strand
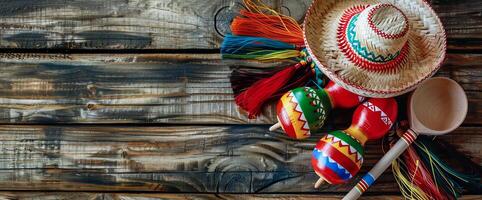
(408,189)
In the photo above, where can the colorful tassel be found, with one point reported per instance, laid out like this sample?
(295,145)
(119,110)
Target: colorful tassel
(452,181)
(256,48)
(422,174)
(260,33)
(261,21)
(407,188)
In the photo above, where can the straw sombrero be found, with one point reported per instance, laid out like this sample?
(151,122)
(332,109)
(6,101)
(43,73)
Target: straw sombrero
(375,48)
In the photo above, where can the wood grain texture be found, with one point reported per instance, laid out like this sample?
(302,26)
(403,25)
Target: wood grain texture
(109,123)
(169,24)
(147,196)
(153,88)
(218,159)
(462,20)
(168,88)
(122,24)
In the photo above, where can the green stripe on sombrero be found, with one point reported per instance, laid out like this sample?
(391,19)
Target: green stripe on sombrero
(348,139)
(363,51)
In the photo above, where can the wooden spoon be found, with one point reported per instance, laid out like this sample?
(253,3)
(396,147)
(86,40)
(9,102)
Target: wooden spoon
(437,107)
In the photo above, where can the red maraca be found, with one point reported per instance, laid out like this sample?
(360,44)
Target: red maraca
(304,110)
(338,156)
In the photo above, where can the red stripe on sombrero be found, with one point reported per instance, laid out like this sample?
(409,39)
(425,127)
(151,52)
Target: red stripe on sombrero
(359,61)
(327,173)
(380,32)
(380,93)
(339,157)
(285,121)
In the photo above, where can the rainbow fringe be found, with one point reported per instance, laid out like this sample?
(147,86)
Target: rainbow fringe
(449,181)
(257,48)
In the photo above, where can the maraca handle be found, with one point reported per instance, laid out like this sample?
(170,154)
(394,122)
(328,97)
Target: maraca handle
(367,180)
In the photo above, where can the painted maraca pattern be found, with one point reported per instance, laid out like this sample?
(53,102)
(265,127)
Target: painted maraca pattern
(304,110)
(338,156)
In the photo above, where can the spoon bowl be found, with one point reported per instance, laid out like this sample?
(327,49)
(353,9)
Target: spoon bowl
(437,107)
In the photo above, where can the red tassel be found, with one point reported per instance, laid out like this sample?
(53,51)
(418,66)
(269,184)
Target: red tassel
(261,21)
(243,78)
(270,88)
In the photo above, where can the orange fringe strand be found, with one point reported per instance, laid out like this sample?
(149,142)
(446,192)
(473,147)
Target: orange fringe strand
(261,21)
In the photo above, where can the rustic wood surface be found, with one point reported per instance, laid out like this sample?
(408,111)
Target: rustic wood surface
(240,159)
(149,196)
(120,24)
(99,97)
(169,24)
(152,88)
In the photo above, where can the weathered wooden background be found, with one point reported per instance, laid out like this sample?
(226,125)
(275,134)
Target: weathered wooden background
(100,97)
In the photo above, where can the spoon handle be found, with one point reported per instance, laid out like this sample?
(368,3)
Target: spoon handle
(367,180)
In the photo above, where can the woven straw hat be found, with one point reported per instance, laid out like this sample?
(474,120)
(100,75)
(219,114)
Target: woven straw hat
(375,48)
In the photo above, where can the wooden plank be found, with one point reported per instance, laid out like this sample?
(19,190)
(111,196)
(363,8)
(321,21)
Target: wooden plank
(462,21)
(178,24)
(220,159)
(167,88)
(117,24)
(144,196)
(153,88)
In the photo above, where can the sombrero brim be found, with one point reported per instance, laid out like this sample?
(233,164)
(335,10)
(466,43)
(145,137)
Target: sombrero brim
(426,40)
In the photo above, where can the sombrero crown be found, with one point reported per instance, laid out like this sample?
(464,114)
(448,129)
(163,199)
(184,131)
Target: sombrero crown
(376,38)
(375,48)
